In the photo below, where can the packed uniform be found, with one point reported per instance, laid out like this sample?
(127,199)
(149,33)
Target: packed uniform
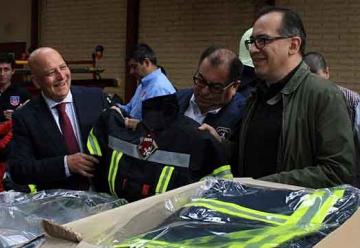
(165,151)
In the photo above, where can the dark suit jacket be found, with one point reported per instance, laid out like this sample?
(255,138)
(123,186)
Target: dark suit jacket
(38,147)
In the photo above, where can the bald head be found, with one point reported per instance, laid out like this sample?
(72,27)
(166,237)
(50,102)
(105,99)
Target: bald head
(50,73)
(37,57)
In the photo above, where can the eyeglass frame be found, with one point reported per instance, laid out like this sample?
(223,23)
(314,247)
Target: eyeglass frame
(211,85)
(265,40)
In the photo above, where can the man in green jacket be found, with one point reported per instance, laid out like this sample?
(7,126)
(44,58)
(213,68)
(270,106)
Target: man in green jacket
(296,128)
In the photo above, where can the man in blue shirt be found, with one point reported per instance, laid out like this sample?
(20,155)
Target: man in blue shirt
(152,82)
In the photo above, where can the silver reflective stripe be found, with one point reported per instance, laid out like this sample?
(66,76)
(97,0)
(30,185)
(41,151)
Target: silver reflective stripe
(159,156)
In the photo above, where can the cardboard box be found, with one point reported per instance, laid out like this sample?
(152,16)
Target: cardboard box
(141,216)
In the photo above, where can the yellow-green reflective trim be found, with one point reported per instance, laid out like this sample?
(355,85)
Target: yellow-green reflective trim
(317,203)
(164,179)
(223,172)
(269,236)
(313,225)
(93,144)
(114,164)
(239,211)
(331,201)
(266,239)
(32,188)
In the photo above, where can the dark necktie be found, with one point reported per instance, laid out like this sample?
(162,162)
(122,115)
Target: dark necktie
(67,129)
(81,183)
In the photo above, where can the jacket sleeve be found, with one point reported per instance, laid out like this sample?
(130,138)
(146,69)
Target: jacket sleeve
(334,151)
(24,167)
(210,156)
(6,132)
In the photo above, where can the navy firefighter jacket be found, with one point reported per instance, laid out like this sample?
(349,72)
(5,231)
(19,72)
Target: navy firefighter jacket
(165,151)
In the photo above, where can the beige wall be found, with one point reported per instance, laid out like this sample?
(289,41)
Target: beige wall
(76,27)
(15,21)
(180,30)
(333,28)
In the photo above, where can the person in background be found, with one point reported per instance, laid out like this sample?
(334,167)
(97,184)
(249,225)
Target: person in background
(152,82)
(318,65)
(50,132)
(248,77)
(296,128)
(11,95)
(213,101)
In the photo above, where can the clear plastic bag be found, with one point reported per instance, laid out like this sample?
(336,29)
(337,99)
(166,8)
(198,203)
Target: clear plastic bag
(227,214)
(21,214)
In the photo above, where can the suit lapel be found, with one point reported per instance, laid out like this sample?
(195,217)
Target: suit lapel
(80,105)
(47,125)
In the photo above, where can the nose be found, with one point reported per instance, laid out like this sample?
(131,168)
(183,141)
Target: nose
(132,71)
(253,48)
(60,75)
(205,90)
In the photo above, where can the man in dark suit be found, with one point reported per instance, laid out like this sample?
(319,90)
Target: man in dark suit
(49,143)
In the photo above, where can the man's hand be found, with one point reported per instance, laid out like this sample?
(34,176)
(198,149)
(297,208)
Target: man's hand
(131,123)
(81,163)
(8,114)
(211,130)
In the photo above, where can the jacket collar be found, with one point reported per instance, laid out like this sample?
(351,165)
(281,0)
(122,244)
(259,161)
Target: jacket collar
(297,79)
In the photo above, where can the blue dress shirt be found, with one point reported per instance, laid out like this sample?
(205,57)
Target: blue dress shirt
(152,85)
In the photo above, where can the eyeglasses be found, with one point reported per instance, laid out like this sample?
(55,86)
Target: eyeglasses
(262,40)
(216,88)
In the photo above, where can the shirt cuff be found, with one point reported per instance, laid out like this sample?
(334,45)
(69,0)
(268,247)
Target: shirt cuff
(67,171)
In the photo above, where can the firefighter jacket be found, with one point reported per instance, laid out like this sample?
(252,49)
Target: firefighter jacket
(166,151)
(230,215)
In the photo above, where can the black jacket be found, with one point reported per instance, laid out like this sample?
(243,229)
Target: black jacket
(184,154)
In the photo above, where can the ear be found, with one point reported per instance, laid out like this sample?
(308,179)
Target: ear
(146,62)
(294,47)
(234,88)
(236,85)
(35,81)
(327,72)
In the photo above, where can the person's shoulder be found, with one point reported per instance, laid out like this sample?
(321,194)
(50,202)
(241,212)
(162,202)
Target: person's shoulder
(184,92)
(17,89)
(239,99)
(28,109)
(320,85)
(83,89)
(87,92)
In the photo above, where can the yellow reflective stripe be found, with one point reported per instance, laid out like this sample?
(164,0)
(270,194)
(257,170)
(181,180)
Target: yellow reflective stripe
(93,144)
(324,210)
(223,172)
(239,211)
(164,179)
(314,208)
(313,224)
(309,201)
(312,212)
(266,239)
(114,164)
(32,188)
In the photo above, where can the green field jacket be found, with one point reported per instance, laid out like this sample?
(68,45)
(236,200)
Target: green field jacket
(316,147)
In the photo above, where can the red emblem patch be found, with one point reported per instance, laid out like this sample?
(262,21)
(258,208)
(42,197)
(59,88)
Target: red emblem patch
(147,146)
